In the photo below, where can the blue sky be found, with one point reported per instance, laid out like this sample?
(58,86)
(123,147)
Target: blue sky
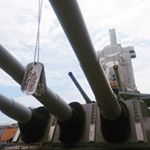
(18,27)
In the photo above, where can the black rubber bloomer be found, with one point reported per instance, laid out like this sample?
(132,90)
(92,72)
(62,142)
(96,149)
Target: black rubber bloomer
(71,130)
(117,130)
(34,130)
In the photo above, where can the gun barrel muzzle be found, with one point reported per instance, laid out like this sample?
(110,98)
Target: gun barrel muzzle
(15,110)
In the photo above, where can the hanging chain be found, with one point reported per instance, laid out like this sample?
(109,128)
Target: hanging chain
(34,81)
(37,45)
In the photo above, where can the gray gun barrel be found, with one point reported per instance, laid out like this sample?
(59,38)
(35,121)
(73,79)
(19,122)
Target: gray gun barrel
(15,110)
(31,122)
(72,22)
(86,98)
(55,104)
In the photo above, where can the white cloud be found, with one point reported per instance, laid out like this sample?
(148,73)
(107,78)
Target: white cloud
(143,81)
(127,16)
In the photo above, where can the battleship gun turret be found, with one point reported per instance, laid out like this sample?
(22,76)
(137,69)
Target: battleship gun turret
(120,116)
(32,122)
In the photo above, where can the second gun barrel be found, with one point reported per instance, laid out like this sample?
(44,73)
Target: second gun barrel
(73,24)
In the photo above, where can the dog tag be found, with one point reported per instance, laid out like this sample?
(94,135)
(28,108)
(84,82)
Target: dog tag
(32,78)
(41,88)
